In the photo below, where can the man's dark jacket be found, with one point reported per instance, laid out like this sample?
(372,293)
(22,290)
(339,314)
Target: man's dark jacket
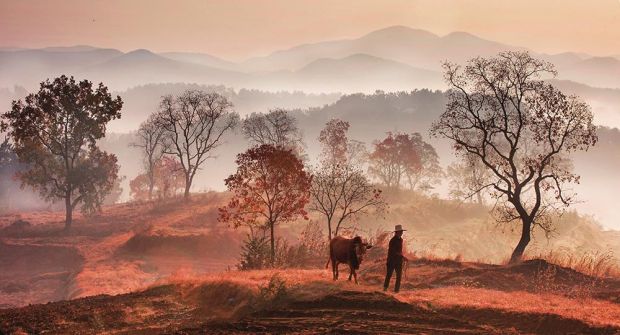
(395,251)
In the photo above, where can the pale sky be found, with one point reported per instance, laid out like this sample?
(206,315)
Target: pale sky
(237,29)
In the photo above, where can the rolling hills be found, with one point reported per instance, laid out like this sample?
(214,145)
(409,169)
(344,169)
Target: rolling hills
(393,58)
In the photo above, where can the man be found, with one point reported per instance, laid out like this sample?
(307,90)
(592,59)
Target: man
(395,259)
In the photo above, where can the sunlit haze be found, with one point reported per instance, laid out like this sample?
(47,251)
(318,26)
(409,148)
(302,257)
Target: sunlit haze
(238,29)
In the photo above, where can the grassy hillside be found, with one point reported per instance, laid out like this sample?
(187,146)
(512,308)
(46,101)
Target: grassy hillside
(130,246)
(438,298)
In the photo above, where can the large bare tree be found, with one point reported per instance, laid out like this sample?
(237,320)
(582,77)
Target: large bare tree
(521,129)
(194,124)
(152,144)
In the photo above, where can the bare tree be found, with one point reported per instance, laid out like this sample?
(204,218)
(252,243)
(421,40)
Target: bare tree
(466,177)
(151,142)
(340,192)
(194,124)
(521,129)
(276,128)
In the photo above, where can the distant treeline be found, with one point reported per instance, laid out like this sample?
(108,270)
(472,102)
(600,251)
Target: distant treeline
(371,116)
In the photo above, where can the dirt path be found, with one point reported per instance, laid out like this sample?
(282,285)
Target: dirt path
(355,312)
(164,310)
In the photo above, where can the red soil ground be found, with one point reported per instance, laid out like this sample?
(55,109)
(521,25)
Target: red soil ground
(166,268)
(309,302)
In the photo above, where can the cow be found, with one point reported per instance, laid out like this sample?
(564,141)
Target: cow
(346,250)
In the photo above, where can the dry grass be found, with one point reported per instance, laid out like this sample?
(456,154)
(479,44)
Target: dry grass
(313,284)
(256,278)
(593,263)
(596,312)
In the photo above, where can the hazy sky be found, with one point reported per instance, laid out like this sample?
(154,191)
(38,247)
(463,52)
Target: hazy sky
(237,29)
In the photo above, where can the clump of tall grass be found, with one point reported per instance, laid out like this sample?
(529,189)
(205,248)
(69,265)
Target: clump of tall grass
(593,263)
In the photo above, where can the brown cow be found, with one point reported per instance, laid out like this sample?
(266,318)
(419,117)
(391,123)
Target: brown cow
(346,250)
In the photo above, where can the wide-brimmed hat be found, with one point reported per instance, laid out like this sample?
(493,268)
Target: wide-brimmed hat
(399,228)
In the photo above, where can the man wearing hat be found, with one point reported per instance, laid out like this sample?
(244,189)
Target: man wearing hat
(395,259)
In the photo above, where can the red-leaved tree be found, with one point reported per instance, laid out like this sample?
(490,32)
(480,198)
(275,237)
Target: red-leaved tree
(269,187)
(394,158)
(334,141)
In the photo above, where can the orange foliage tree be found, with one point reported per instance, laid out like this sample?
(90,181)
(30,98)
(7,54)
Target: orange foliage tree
(394,158)
(334,141)
(269,187)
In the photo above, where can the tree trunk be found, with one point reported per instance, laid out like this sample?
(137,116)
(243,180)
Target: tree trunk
(273,245)
(523,242)
(188,185)
(151,182)
(329,231)
(68,211)
(479,198)
(151,191)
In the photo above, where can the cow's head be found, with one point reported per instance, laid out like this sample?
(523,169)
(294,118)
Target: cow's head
(360,248)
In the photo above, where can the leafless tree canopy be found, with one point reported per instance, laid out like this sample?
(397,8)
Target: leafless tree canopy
(467,177)
(152,144)
(340,189)
(276,128)
(521,129)
(341,192)
(194,124)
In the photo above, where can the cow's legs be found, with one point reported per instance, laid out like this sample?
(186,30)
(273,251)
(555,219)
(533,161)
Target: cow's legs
(335,268)
(351,272)
(355,276)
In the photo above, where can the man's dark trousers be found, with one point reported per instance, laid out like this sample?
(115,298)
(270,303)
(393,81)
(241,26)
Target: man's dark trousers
(391,267)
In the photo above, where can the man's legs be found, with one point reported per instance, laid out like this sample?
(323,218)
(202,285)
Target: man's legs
(388,276)
(399,273)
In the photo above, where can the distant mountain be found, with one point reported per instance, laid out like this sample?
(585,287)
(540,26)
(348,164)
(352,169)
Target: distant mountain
(29,67)
(200,58)
(75,48)
(414,47)
(605,102)
(594,71)
(394,58)
(364,73)
(562,60)
(142,66)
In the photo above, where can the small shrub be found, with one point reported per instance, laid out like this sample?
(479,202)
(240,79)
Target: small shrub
(310,252)
(272,293)
(255,253)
